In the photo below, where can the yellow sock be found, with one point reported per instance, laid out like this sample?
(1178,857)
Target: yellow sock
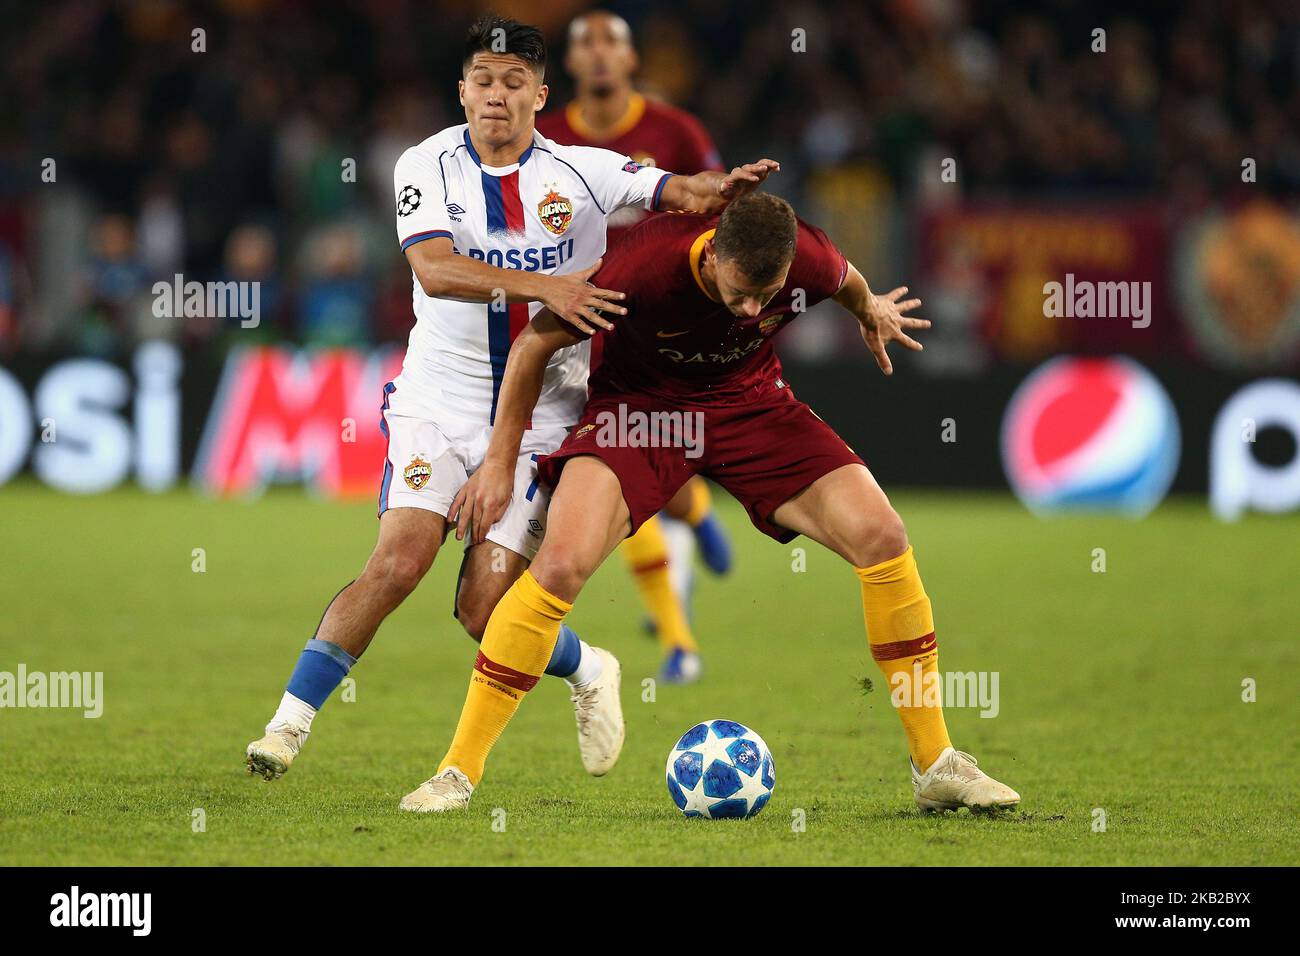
(516,646)
(646,553)
(900,630)
(701,501)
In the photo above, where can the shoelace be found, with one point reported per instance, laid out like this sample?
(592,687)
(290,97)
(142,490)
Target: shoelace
(447,777)
(293,734)
(955,768)
(585,700)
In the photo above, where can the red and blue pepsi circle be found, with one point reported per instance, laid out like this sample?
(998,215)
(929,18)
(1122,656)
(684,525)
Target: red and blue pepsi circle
(1097,434)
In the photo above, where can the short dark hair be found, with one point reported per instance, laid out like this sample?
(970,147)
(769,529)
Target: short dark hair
(493,34)
(757,232)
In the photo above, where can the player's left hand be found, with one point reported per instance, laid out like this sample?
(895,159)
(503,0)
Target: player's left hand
(481,501)
(883,322)
(747,178)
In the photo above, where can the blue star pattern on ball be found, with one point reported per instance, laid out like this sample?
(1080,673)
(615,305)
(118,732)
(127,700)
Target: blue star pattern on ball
(745,756)
(693,737)
(688,768)
(720,768)
(721,780)
(723,729)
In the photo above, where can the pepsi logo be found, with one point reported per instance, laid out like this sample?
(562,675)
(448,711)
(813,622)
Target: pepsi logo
(1090,433)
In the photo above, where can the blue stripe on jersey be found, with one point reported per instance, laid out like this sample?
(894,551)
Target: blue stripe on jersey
(498,350)
(532,489)
(498,316)
(388,465)
(579,175)
(659,188)
(473,153)
(421,236)
(496,207)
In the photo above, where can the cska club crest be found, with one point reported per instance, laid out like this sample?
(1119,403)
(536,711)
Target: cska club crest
(417,473)
(556,213)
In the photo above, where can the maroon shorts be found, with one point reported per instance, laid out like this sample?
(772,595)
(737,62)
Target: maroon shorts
(763,452)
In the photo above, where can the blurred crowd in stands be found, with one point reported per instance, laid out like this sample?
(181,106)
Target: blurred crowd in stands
(128,156)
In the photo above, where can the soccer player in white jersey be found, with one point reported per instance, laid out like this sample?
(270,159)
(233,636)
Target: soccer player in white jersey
(496,222)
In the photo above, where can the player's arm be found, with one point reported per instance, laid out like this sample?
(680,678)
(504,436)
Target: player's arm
(882,318)
(709,191)
(484,498)
(425,233)
(443,274)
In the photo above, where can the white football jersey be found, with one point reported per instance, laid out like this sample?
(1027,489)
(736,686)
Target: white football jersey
(545,213)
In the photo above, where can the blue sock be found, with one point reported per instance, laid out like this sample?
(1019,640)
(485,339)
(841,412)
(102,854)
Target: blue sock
(567,654)
(321,668)
(715,548)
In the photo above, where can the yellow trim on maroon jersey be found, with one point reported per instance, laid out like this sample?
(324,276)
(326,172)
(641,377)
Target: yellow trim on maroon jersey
(631,116)
(696,248)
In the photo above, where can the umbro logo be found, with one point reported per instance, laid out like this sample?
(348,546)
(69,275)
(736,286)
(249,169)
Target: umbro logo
(454,210)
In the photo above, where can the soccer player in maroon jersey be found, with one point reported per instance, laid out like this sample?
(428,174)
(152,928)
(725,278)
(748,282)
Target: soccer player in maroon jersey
(607,111)
(690,384)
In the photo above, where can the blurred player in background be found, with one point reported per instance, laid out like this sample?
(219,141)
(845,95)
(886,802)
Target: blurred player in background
(608,111)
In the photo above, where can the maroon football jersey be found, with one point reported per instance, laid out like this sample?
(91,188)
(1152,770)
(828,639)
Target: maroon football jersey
(677,343)
(651,133)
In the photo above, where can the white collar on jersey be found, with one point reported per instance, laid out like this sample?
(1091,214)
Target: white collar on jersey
(498,170)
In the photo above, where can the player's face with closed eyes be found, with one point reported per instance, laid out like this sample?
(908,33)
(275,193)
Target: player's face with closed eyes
(742,295)
(500,93)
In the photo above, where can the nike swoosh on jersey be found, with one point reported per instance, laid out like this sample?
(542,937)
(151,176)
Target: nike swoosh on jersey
(670,335)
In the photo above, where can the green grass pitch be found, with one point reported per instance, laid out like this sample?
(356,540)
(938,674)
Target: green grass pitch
(1119,691)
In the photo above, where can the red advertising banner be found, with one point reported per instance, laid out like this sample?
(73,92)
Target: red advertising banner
(287,416)
(1049,280)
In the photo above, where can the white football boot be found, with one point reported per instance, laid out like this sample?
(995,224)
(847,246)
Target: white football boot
(272,754)
(599,714)
(448,790)
(954,781)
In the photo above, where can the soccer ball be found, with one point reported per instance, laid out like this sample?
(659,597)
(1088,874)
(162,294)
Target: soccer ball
(720,769)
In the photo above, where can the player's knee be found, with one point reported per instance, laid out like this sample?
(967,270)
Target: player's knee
(473,616)
(397,571)
(563,572)
(880,536)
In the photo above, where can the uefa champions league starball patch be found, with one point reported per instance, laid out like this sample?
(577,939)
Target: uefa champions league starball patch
(408,200)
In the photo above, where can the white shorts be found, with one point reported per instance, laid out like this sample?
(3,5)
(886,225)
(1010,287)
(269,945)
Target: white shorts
(428,461)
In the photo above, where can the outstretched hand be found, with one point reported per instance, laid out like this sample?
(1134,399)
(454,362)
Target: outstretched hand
(884,320)
(747,178)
